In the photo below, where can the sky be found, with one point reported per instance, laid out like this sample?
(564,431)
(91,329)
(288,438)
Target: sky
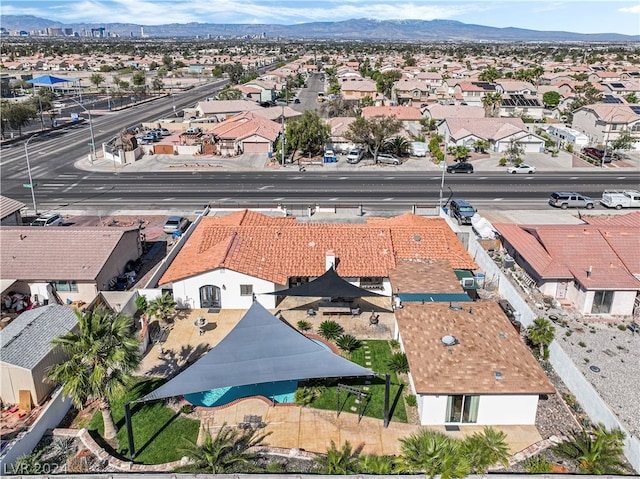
(580,16)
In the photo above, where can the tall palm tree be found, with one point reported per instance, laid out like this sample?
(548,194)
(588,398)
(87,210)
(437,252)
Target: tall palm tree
(597,451)
(491,101)
(340,461)
(162,307)
(102,356)
(229,451)
(434,454)
(486,449)
(541,333)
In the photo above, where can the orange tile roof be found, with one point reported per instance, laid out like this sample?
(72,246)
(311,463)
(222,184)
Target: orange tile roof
(486,343)
(244,125)
(400,112)
(275,249)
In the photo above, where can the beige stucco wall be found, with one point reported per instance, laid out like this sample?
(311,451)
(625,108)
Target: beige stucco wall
(128,248)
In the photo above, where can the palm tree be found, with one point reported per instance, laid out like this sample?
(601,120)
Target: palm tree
(433,453)
(340,461)
(398,363)
(102,355)
(162,307)
(596,452)
(541,333)
(330,330)
(348,343)
(398,145)
(481,145)
(491,101)
(486,449)
(229,451)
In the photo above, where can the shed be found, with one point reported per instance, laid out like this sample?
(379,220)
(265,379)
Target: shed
(26,351)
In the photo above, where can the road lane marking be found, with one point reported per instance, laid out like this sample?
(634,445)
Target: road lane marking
(266,187)
(498,199)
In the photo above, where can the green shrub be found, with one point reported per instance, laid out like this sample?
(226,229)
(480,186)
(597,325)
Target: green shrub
(622,327)
(348,343)
(503,162)
(330,330)
(304,325)
(306,394)
(398,363)
(394,344)
(187,409)
(411,400)
(538,465)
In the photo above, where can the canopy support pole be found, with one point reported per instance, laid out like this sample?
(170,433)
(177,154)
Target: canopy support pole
(387,390)
(127,418)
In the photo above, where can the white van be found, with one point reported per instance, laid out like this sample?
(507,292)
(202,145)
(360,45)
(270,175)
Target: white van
(419,148)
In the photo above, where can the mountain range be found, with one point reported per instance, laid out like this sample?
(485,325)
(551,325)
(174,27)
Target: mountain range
(355,29)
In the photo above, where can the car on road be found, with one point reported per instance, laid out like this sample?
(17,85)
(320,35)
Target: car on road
(462,211)
(389,159)
(461,167)
(175,223)
(567,199)
(355,155)
(521,168)
(53,219)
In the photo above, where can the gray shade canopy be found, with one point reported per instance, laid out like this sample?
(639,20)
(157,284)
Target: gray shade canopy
(260,349)
(329,285)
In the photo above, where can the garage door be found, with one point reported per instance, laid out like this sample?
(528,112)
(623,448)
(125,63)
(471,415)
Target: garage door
(255,147)
(530,147)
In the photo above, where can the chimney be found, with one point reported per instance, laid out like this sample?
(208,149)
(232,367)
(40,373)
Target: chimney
(330,260)
(589,272)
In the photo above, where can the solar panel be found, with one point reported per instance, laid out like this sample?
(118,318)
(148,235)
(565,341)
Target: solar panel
(611,99)
(635,109)
(617,85)
(484,85)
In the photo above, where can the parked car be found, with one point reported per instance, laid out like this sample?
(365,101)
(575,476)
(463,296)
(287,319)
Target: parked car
(163,131)
(193,130)
(149,137)
(329,157)
(564,200)
(419,148)
(175,223)
(462,211)
(598,154)
(355,155)
(389,159)
(296,100)
(49,220)
(521,168)
(461,167)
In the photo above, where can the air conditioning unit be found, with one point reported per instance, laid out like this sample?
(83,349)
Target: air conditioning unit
(468,282)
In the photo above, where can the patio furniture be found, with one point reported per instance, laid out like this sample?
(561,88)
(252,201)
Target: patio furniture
(634,327)
(311,312)
(374,318)
(355,311)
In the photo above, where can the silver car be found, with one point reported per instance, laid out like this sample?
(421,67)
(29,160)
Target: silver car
(565,199)
(175,223)
(389,159)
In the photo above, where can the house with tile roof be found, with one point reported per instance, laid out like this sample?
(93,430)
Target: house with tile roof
(410,116)
(66,264)
(245,133)
(26,351)
(441,112)
(471,92)
(468,365)
(604,282)
(228,259)
(10,211)
(220,110)
(409,91)
(497,132)
(603,122)
(354,88)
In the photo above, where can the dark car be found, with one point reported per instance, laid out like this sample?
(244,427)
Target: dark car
(296,100)
(462,211)
(462,167)
(597,154)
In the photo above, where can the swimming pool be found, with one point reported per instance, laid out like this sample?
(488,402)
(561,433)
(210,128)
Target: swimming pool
(278,392)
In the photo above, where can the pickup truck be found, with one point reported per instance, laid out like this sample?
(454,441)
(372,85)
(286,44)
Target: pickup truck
(619,199)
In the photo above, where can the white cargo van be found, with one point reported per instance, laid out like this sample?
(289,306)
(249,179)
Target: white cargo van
(419,148)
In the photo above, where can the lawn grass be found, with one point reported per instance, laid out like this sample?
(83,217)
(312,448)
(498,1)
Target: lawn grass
(380,353)
(158,431)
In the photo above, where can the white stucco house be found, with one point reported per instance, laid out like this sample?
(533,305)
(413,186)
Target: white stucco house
(468,365)
(603,122)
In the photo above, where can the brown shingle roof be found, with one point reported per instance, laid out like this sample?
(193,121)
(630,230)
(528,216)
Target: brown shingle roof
(424,276)
(275,249)
(57,253)
(487,343)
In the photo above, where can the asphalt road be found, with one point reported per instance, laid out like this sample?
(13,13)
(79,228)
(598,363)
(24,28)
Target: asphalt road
(62,187)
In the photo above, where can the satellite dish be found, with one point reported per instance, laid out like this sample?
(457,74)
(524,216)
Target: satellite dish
(449,340)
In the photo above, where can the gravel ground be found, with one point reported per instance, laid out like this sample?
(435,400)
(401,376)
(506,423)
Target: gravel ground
(616,355)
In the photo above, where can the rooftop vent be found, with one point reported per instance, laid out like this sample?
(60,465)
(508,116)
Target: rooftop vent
(417,238)
(502,336)
(449,340)
(498,375)
(455,307)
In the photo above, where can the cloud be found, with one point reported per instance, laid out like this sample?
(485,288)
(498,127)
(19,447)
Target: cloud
(634,9)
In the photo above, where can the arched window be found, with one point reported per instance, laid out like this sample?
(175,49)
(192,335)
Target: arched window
(210,296)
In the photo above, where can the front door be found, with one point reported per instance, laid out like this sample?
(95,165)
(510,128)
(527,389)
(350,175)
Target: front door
(462,409)
(210,296)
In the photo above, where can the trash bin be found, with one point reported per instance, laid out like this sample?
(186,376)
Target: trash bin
(508,262)
(480,279)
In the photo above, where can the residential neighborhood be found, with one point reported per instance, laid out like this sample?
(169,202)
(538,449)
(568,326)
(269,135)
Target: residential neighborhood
(300,330)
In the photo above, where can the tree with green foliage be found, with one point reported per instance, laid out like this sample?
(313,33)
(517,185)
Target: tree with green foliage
(97,79)
(348,343)
(372,133)
(489,74)
(398,145)
(551,99)
(459,152)
(541,333)
(432,453)
(340,461)
(597,451)
(481,146)
(167,61)
(514,151)
(586,94)
(366,101)
(230,93)
(486,449)
(492,102)
(18,115)
(162,307)
(102,354)
(398,363)
(385,80)
(631,98)
(229,451)
(307,133)
(330,330)
(624,141)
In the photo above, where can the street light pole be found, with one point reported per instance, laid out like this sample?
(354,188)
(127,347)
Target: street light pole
(31,185)
(606,137)
(93,139)
(444,167)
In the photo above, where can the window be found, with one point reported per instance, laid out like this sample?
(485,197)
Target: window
(602,301)
(462,409)
(65,286)
(246,290)
(368,282)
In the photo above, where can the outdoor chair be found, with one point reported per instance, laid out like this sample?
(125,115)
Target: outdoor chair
(311,312)
(355,311)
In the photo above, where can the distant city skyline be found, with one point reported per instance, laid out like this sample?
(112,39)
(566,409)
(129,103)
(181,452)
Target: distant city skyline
(608,16)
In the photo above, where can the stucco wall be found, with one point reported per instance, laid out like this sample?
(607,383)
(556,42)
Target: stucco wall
(128,248)
(492,410)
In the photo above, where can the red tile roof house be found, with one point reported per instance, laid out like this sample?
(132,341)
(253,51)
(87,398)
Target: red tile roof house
(228,259)
(74,263)
(409,116)
(245,133)
(594,268)
(498,132)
